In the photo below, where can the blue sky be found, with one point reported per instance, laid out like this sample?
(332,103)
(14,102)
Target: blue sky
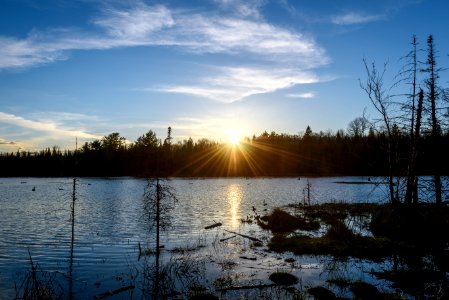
(88,68)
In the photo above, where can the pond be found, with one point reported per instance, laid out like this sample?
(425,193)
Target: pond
(99,250)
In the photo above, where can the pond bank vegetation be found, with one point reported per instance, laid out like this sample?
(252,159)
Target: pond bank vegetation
(377,230)
(414,237)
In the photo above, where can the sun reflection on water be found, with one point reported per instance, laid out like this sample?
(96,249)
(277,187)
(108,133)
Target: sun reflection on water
(234,196)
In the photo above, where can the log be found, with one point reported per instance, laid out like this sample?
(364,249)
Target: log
(228,238)
(245,236)
(213,226)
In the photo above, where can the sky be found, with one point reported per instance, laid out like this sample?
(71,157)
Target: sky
(77,70)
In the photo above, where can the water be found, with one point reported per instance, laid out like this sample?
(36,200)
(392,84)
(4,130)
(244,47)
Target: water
(110,223)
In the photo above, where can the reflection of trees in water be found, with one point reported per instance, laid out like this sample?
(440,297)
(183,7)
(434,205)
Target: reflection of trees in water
(179,274)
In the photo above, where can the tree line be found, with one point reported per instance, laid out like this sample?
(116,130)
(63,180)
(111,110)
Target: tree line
(360,150)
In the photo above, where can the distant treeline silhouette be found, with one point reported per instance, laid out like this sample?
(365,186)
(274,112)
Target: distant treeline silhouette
(353,152)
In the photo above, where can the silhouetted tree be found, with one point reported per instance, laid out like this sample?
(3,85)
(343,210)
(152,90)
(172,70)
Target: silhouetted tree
(409,75)
(147,141)
(358,126)
(432,96)
(159,201)
(374,88)
(113,142)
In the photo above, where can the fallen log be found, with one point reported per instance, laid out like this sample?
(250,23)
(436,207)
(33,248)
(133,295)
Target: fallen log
(213,226)
(248,258)
(228,238)
(246,287)
(245,236)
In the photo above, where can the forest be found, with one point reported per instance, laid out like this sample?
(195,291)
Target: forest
(354,152)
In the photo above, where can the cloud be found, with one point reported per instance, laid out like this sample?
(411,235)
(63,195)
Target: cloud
(7,143)
(244,8)
(144,25)
(242,37)
(135,23)
(306,95)
(233,84)
(49,127)
(288,53)
(355,18)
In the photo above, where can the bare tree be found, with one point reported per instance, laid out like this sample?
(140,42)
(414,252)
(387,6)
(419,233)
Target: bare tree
(159,201)
(409,75)
(381,100)
(358,126)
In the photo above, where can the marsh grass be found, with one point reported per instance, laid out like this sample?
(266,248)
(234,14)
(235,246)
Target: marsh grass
(415,237)
(39,284)
(389,230)
(280,221)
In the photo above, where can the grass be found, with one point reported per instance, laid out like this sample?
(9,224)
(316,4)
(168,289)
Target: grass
(393,230)
(280,221)
(39,284)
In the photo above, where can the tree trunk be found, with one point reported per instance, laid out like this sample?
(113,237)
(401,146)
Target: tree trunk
(410,193)
(431,84)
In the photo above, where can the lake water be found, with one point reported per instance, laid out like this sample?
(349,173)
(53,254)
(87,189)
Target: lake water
(109,224)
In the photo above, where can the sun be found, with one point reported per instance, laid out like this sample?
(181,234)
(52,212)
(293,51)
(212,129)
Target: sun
(234,136)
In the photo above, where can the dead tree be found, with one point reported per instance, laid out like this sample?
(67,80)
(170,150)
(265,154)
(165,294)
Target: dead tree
(374,88)
(432,96)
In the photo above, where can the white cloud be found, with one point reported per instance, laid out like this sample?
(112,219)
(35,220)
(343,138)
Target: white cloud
(239,36)
(233,84)
(306,95)
(145,25)
(245,8)
(355,18)
(135,23)
(287,52)
(49,127)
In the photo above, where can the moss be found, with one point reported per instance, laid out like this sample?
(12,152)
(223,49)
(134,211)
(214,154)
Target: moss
(338,241)
(280,221)
(404,230)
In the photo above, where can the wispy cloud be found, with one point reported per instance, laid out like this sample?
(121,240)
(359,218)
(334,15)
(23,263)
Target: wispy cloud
(245,8)
(6,142)
(135,23)
(351,18)
(306,95)
(234,84)
(288,53)
(49,127)
(145,25)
